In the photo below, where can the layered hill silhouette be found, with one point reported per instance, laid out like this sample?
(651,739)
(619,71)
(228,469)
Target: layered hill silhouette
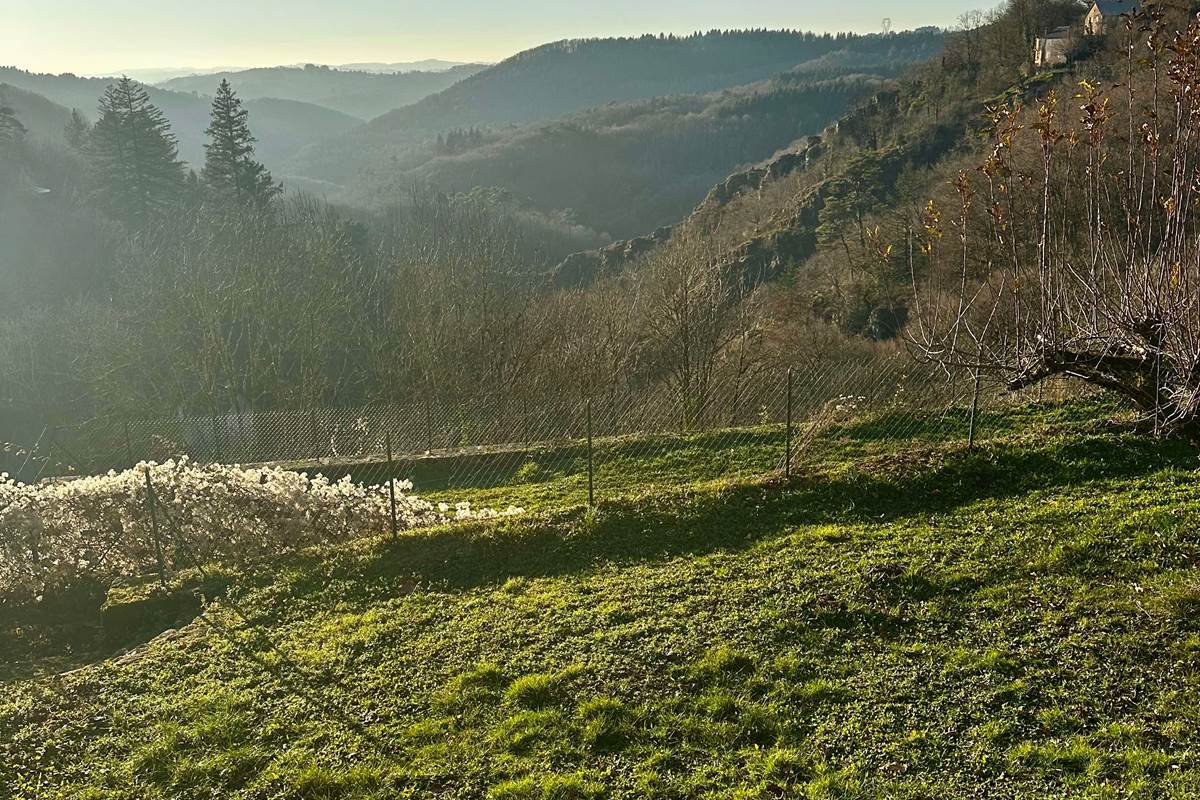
(619,135)
(566,77)
(282,126)
(44,120)
(360,93)
(628,168)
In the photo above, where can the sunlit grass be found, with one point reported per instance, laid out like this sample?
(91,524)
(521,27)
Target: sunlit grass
(911,621)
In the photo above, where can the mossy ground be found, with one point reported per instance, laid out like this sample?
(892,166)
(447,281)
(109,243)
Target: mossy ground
(907,619)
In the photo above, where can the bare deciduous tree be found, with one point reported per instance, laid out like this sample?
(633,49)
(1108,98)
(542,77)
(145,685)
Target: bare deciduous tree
(1078,247)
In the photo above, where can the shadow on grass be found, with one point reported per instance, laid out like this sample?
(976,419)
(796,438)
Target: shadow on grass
(616,455)
(656,526)
(36,641)
(734,518)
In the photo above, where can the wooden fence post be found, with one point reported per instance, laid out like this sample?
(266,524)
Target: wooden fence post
(974,412)
(429,425)
(316,434)
(129,448)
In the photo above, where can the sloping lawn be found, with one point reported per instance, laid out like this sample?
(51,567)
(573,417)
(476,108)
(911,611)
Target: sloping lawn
(917,621)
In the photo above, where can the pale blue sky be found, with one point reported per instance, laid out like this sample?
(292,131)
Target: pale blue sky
(87,36)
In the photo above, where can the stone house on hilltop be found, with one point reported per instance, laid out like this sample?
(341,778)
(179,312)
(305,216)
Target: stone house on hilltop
(1106,13)
(1056,47)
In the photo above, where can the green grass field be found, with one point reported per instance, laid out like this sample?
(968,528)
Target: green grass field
(906,619)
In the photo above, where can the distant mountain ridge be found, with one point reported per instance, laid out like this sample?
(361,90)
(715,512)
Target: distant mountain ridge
(427,65)
(157,75)
(361,93)
(624,169)
(569,76)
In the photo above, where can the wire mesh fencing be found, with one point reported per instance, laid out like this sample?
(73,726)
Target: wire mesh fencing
(566,450)
(230,486)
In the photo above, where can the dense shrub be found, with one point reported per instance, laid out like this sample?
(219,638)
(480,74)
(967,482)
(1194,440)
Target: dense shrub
(54,534)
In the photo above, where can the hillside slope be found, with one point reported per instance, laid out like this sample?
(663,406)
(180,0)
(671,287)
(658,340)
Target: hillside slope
(626,169)
(566,77)
(43,119)
(359,93)
(771,212)
(1018,621)
(804,215)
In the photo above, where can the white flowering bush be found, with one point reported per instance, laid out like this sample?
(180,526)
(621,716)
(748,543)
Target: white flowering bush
(100,528)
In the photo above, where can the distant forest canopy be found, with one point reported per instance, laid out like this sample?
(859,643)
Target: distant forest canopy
(43,119)
(625,170)
(570,76)
(703,105)
(648,159)
(361,94)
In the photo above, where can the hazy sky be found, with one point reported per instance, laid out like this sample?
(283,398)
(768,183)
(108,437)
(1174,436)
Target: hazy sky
(87,36)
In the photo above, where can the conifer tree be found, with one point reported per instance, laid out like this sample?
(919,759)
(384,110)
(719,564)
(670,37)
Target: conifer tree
(11,129)
(230,170)
(77,130)
(134,154)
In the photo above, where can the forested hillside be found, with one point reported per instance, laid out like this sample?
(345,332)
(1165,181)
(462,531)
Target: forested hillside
(43,119)
(618,168)
(626,169)
(359,93)
(570,76)
(443,297)
(820,214)
(283,126)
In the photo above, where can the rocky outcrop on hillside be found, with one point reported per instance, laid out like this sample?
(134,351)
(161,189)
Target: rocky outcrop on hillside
(792,235)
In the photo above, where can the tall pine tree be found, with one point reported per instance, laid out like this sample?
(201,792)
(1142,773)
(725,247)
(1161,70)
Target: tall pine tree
(134,154)
(77,130)
(230,170)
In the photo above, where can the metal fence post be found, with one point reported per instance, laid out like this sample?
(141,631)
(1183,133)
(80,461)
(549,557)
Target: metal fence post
(152,511)
(316,433)
(787,458)
(525,420)
(391,485)
(218,451)
(591,470)
(129,448)
(429,425)
(974,413)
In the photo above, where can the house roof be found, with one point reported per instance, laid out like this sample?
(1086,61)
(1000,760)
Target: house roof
(1058,33)
(1115,8)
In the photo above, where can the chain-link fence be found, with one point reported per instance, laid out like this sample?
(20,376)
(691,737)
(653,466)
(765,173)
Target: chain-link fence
(563,450)
(323,476)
